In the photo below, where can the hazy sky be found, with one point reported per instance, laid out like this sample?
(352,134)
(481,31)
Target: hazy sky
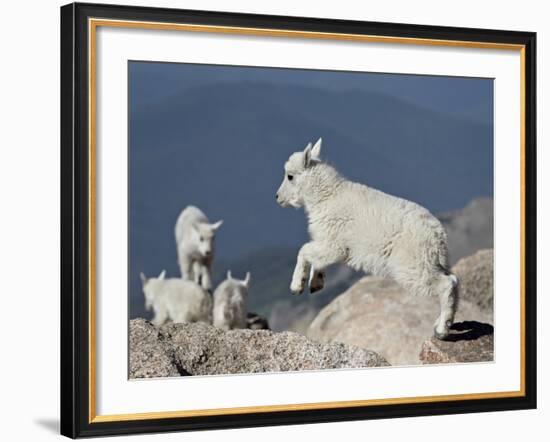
(467,97)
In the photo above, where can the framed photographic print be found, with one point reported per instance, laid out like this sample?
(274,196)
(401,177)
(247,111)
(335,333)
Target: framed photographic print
(278,220)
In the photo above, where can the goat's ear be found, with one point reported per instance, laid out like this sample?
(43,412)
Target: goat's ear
(143,278)
(246,280)
(229,274)
(316,150)
(307,155)
(195,228)
(162,275)
(216,225)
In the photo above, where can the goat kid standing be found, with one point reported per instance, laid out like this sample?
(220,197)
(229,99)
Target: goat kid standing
(195,245)
(176,299)
(230,303)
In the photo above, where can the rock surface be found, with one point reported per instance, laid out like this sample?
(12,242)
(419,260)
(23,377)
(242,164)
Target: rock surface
(201,349)
(470,341)
(375,313)
(475,274)
(151,353)
(291,316)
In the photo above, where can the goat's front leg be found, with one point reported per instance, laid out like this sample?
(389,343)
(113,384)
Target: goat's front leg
(196,273)
(316,280)
(313,258)
(301,271)
(206,282)
(186,266)
(161,315)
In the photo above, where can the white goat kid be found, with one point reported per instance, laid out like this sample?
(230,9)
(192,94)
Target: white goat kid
(195,244)
(180,300)
(369,230)
(230,303)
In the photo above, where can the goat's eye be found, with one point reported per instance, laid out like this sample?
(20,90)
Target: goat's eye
(201,238)
(290,177)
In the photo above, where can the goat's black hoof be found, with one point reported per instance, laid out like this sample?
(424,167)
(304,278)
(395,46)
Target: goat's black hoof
(315,289)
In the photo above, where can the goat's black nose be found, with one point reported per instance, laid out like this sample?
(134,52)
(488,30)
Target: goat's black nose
(277,196)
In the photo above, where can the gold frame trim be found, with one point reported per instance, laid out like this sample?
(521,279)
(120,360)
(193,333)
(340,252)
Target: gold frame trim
(93,24)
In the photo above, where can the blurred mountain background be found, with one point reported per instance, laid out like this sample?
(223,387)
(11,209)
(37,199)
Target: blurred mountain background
(218,136)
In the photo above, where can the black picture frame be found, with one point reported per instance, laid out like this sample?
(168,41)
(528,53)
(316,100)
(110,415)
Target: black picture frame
(75,220)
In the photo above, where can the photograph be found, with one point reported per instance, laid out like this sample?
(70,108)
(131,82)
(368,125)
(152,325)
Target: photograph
(285,219)
(275,220)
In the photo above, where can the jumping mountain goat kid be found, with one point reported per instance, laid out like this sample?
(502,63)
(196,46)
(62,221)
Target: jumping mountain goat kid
(195,245)
(180,300)
(368,230)
(230,303)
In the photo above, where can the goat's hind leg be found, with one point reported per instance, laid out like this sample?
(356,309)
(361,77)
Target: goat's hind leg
(448,302)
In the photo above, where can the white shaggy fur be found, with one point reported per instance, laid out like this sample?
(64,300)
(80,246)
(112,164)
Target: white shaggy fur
(230,303)
(195,245)
(369,230)
(176,299)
